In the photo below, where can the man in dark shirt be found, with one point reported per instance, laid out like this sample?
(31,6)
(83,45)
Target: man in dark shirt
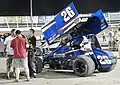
(32,38)
(31,54)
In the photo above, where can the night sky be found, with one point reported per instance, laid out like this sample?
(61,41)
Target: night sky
(52,7)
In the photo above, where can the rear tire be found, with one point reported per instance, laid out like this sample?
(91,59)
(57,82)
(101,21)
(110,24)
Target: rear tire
(83,66)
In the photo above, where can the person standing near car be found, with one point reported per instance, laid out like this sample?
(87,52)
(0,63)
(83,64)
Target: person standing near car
(117,37)
(19,45)
(103,36)
(9,51)
(31,53)
(110,39)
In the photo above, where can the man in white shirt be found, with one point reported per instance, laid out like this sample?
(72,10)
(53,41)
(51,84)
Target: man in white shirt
(9,52)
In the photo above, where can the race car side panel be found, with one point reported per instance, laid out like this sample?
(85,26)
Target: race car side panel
(103,59)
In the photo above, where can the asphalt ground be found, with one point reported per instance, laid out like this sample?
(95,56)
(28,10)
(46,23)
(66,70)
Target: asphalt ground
(48,77)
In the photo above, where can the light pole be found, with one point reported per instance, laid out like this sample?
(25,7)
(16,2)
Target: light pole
(31,13)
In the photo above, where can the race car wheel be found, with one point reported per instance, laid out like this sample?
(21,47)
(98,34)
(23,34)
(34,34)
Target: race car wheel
(39,65)
(83,66)
(114,60)
(38,52)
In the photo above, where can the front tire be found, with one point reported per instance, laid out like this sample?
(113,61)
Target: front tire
(83,66)
(39,65)
(38,52)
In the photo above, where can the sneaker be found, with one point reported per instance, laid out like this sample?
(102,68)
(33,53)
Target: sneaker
(13,76)
(33,76)
(8,78)
(28,79)
(16,80)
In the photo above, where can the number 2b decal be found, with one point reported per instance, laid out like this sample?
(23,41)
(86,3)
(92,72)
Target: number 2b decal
(67,14)
(104,59)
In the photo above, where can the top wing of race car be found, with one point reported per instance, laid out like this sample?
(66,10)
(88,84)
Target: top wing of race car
(68,18)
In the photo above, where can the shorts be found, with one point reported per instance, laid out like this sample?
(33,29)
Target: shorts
(20,62)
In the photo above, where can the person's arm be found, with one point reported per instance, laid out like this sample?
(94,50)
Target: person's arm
(12,44)
(116,37)
(33,42)
(29,42)
(5,46)
(26,43)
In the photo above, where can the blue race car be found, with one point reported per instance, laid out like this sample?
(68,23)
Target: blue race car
(79,49)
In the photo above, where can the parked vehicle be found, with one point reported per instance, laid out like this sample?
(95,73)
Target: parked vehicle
(79,50)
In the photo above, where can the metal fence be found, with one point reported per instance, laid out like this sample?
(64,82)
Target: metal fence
(25,22)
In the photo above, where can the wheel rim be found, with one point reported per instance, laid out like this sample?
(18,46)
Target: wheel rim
(81,67)
(38,52)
